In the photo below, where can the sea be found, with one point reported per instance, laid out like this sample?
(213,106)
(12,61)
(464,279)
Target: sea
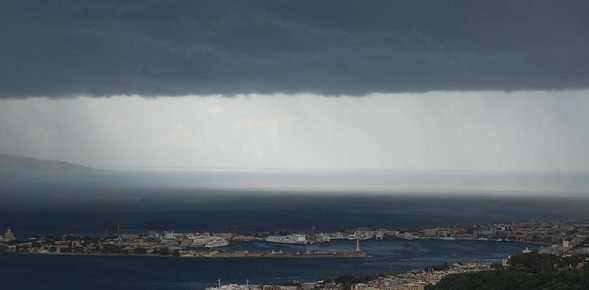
(40,272)
(38,203)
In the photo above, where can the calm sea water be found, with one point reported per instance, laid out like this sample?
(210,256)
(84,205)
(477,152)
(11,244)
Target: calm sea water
(90,202)
(70,272)
(94,201)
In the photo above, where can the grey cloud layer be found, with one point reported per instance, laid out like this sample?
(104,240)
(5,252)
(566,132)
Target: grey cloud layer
(60,48)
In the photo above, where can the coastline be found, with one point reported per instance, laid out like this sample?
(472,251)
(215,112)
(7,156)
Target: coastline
(222,256)
(204,245)
(246,254)
(388,256)
(412,279)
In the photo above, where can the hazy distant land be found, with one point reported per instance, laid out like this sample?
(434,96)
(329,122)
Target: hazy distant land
(22,162)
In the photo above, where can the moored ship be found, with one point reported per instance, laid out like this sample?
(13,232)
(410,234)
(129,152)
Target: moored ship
(297,239)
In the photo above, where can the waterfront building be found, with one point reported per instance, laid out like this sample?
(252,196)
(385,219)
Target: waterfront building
(407,236)
(234,287)
(379,235)
(153,235)
(169,235)
(556,250)
(9,236)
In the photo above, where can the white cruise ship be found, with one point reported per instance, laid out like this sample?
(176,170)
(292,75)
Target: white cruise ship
(215,242)
(207,241)
(299,239)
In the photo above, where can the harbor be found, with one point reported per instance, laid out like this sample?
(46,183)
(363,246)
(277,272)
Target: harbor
(134,272)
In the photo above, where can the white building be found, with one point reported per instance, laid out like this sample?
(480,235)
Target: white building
(9,236)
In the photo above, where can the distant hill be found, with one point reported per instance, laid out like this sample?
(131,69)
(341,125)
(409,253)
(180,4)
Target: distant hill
(21,162)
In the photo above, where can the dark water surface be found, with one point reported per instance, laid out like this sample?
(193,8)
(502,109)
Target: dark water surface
(36,272)
(96,201)
(93,201)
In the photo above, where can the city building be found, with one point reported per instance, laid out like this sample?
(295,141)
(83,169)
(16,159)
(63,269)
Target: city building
(9,236)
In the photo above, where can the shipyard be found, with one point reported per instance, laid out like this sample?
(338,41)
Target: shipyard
(563,239)
(556,237)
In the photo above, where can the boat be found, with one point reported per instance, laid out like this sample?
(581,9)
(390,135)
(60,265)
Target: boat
(297,239)
(216,242)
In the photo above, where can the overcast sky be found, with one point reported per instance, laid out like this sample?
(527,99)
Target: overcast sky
(411,85)
(185,47)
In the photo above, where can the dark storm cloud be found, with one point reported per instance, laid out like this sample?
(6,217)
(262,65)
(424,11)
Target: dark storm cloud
(105,47)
